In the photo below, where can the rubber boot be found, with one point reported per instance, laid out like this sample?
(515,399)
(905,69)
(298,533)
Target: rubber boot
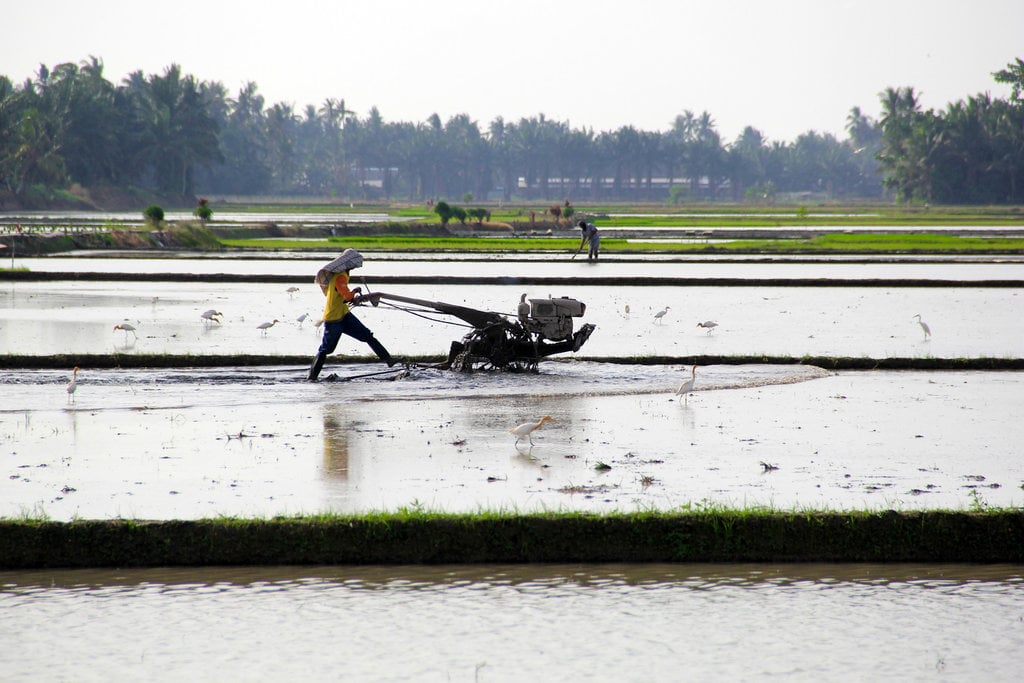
(318,364)
(381,352)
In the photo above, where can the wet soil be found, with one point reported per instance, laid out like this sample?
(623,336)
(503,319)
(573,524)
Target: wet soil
(188,443)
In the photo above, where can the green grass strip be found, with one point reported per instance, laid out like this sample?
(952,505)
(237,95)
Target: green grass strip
(413,537)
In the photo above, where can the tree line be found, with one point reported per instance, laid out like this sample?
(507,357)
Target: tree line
(176,135)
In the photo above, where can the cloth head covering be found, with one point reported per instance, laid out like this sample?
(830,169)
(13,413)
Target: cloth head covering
(349,259)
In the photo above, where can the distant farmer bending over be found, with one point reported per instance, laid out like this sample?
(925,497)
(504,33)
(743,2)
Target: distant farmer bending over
(590,236)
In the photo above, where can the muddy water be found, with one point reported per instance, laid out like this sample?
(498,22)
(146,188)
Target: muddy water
(510,623)
(36,317)
(195,443)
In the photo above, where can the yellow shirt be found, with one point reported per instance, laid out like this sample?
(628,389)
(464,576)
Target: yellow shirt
(338,294)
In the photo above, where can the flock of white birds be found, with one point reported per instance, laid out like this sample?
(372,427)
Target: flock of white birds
(212,316)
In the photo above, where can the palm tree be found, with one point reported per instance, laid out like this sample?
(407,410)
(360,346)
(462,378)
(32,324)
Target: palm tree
(174,130)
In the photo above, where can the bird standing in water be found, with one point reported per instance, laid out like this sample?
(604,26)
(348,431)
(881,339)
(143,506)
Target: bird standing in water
(528,428)
(924,326)
(687,386)
(72,385)
(708,325)
(126,327)
(263,327)
(660,314)
(210,316)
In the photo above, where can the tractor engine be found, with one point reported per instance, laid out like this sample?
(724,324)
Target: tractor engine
(551,319)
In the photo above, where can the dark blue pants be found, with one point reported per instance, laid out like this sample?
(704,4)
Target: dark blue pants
(350,325)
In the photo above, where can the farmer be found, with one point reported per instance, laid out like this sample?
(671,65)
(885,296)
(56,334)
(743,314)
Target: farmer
(589,234)
(338,319)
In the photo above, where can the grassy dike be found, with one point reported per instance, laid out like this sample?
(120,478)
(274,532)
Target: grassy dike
(416,537)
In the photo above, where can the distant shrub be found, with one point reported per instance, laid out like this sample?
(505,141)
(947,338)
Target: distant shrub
(444,212)
(203,211)
(153,214)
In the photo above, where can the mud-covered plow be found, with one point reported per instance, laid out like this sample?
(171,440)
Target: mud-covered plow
(540,328)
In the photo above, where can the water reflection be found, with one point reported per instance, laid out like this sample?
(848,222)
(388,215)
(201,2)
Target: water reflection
(532,622)
(335,442)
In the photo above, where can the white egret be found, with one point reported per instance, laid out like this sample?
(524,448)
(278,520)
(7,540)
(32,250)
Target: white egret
(687,386)
(523,311)
(126,327)
(528,428)
(210,316)
(660,314)
(72,385)
(263,327)
(924,326)
(708,325)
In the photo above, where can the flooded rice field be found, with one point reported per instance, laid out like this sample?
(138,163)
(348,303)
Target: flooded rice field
(514,623)
(181,444)
(303,265)
(191,443)
(54,317)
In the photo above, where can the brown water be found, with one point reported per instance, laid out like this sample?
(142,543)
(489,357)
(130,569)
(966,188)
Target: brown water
(516,623)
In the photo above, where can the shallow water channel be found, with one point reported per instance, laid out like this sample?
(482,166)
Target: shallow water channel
(515,623)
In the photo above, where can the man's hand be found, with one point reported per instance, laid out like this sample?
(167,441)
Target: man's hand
(373,298)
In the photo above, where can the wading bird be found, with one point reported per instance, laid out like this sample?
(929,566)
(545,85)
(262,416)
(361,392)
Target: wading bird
(210,316)
(527,428)
(924,326)
(625,310)
(687,386)
(263,327)
(72,385)
(660,314)
(291,291)
(523,311)
(708,325)
(302,318)
(126,327)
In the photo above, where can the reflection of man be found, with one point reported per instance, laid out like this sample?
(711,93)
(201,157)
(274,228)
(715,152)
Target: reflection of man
(335,445)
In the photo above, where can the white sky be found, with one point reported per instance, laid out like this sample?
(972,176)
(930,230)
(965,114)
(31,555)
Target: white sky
(782,66)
